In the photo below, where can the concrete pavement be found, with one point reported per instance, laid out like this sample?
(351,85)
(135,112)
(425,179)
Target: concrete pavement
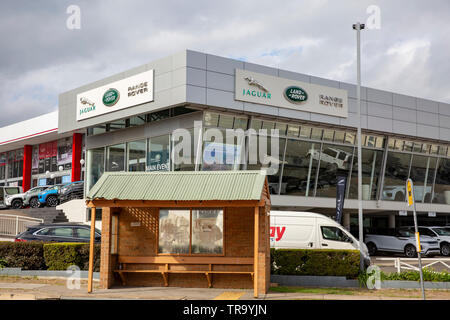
(58,290)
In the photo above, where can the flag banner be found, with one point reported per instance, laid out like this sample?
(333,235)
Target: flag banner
(340,195)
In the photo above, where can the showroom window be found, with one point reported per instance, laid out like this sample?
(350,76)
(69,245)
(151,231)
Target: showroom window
(196,231)
(371,174)
(442,184)
(158,154)
(95,166)
(136,155)
(300,167)
(115,157)
(395,176)
(2,166)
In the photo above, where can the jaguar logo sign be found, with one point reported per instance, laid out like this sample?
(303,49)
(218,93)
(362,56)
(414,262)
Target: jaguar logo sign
(295,94)
(110,97)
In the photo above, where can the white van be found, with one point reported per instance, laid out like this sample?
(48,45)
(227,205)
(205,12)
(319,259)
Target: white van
(309,230)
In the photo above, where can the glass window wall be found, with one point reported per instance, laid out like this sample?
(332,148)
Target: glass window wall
(95,166)
(300,167)
(136,155)
(115,159)
(442,184)
(395,176)
(371,174)
(334,161)
(158,155)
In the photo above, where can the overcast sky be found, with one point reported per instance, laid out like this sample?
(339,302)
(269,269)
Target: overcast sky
(40,57)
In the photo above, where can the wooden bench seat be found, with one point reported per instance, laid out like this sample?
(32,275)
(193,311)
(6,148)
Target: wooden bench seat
(168,261)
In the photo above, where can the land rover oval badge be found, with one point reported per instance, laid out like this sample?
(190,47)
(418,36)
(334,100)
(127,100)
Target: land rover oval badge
(110,97)
(295,94)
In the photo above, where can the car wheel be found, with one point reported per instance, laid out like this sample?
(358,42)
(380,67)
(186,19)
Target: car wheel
(372,249)
(16,204)
(52,201)
(445,249)
(410,251)
(34,203)
(399,196)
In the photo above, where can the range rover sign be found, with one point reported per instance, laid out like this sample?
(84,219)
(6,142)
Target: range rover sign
(125,93)
(289,94)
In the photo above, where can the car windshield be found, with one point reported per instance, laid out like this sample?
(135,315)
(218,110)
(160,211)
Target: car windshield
(442,231)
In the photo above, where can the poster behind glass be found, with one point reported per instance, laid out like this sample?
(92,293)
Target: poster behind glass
(174,231)
(65,153)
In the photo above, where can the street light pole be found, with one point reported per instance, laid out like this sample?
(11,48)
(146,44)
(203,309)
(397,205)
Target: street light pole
(358,27)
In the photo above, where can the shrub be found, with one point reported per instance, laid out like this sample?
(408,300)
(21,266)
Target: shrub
(84,252)
(314,262)
(3,263)
(428,275)
(59,256)
(25,255)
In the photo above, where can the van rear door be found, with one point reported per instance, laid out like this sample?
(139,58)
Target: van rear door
(289,232)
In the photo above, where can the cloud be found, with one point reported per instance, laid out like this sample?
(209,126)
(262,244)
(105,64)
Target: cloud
(40,57)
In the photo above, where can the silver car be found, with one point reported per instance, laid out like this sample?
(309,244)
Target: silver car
(403,240)
(29,198)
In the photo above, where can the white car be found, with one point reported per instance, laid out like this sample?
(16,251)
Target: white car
(402,240)
(309,230)
(339,159)
(440,234)
(397,193)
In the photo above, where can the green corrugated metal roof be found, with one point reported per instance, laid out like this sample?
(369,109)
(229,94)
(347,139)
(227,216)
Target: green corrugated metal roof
(179,185)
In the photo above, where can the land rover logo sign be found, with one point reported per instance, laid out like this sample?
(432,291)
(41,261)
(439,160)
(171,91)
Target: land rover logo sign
(110,97)
(295,94)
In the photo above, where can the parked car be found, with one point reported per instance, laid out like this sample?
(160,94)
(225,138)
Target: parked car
(397,193)
(74,190)
(441,234)
(59,232)
(6,193)
(31,196)
(21,200)
(309,230)
(401,240)
(49,196)
(338,159)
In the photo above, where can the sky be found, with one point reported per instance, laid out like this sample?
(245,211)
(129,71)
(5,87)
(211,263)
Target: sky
(40,57)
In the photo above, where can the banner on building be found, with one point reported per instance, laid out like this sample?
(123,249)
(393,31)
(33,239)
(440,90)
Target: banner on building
(340,196)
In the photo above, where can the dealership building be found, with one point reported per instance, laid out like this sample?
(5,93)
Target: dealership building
(304,128)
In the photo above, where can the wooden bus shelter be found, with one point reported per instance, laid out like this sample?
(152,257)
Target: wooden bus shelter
(183,229)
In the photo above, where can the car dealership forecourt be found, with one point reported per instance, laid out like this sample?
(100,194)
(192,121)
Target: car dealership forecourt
(128,123)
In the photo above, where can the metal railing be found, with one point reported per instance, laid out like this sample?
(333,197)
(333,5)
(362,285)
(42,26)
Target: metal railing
(401,263)
(12,225)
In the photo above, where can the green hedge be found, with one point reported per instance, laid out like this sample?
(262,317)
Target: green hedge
(428,275)
(48,256)
(313,262)
(25,255)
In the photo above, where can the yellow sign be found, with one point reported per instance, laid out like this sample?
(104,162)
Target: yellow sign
(418,242)
(409,192)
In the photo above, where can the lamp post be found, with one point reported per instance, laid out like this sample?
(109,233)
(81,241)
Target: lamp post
(358,27)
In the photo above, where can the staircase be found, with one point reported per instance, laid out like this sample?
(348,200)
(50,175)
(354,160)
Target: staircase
(50,215)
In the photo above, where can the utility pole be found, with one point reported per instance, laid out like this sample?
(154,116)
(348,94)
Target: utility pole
(358,27)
